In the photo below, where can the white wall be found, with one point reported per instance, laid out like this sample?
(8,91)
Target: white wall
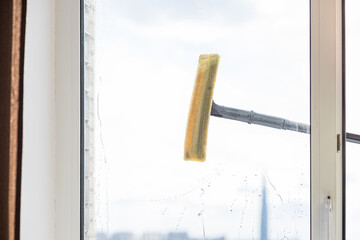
(38,179)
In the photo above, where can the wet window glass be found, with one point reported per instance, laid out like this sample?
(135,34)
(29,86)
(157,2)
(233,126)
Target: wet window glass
(141,61)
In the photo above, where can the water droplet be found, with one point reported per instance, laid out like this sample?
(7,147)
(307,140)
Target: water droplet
(164,211)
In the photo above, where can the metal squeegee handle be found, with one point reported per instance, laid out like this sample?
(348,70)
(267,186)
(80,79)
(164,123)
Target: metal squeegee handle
(252,117)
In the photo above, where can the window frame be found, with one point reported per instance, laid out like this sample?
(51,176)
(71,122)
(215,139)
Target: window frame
(68,119)
(327,113)
(50,197)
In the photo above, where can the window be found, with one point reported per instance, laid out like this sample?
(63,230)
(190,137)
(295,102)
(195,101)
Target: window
(140,60)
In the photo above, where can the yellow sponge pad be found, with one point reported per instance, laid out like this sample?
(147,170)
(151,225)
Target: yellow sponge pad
(200,108)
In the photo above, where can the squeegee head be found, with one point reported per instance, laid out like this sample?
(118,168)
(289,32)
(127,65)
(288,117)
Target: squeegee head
(200,108)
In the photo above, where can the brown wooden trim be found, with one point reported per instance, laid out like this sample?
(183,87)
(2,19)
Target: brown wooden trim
(12,41)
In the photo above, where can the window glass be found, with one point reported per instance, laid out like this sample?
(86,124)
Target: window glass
(142,58)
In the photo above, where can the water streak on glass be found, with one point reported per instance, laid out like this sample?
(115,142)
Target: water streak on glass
(255,182)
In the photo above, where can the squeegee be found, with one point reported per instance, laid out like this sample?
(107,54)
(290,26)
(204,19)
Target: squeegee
(202,106)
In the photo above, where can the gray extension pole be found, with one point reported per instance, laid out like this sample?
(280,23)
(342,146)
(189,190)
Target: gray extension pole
(252,117)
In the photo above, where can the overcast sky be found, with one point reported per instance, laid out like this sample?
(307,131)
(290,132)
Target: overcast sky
(145,60)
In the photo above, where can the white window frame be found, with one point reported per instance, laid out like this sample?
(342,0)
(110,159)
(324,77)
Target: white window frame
(326,118)
(57,23)
(67,108)
(50,201)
